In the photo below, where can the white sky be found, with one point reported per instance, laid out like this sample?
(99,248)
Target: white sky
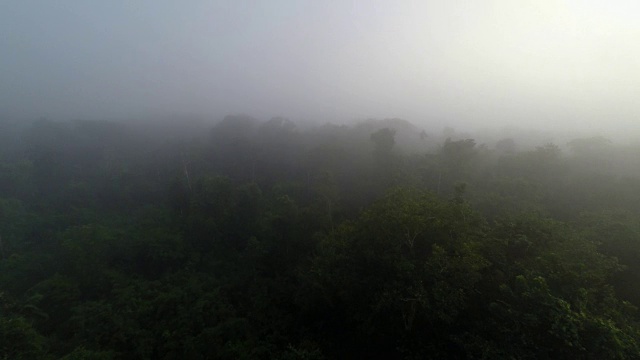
(533,63)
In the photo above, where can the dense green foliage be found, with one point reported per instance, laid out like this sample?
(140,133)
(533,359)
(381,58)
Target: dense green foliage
(250,240)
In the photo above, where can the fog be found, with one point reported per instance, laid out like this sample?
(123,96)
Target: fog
(319,180)
(553,65)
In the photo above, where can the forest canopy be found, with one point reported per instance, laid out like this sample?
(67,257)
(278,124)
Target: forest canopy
(250,239)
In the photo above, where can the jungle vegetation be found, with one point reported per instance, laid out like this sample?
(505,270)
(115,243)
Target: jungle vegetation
(248,239)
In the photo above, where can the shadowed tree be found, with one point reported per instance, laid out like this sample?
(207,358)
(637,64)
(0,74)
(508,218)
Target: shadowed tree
(384,161)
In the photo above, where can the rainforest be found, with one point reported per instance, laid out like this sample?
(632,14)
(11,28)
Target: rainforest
(254,239)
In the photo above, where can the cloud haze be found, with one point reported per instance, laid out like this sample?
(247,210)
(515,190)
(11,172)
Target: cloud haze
(563,64)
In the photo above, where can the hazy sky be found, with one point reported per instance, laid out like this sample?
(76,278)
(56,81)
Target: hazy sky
(526,62)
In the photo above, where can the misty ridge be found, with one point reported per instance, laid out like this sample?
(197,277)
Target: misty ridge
(259,147)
